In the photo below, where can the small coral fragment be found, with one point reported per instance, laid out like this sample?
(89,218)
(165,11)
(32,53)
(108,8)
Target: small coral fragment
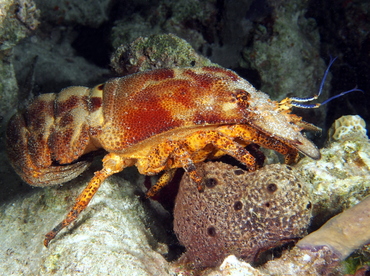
(241,213)
(348,127)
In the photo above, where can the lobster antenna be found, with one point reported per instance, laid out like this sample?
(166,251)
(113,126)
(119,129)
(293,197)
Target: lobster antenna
(294,101)
(326,101)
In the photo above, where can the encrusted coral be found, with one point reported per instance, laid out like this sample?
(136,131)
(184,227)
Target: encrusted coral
(341,178)
(317,262)
(156,51)
(186,19)
(17,19)
(348,127)
(320,252)
(239,212)
(87,13)
(285,50)
(343,233)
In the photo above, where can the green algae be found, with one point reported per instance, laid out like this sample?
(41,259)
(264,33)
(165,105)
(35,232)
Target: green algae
(156,51)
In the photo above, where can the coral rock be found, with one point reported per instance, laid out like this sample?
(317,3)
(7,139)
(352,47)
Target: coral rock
(239,212)
(114,238)
(343,233)
(156,51)
(232,266)
(320,252)
(341,178)
(348,127)
(87,13)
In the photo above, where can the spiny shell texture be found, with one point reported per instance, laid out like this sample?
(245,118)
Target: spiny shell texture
(239,212)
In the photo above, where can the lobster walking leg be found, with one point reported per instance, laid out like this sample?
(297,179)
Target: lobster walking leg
(111,164)
(162,181)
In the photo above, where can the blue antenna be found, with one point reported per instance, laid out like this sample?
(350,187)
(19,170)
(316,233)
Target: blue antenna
(297,102)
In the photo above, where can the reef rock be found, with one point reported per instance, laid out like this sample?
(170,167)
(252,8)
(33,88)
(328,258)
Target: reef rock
(341,178)
(111,238)
(17,20)
(320,252)
(231,266)
(86,13)
(156,51)
(240,213)
(350,127)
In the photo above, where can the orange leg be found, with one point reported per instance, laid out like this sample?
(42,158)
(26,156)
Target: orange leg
(111,165)
(224,143)
(186,153)
(180,157)
(194,175)
(162,181)
(249,134)
(198,142)
(170,156)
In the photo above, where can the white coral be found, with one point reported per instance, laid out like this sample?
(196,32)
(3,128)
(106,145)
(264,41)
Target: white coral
(348,127)
(343,172)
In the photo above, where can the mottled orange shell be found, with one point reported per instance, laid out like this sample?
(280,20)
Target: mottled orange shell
(144,105)
(172,101)
(132,115)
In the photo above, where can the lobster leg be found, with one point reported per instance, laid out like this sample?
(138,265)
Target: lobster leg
(111,164)
(196,143)
(247,134)
(165,178)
